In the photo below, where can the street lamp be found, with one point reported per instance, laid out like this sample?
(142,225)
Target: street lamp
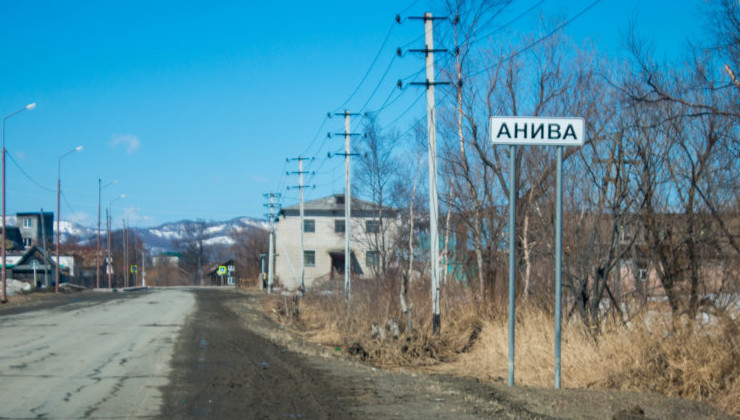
(97,255)
(109,217)
(59,213)
(28,107)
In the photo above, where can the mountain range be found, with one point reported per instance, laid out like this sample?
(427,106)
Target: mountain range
(164,237)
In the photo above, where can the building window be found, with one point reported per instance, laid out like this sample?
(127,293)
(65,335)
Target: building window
(372,259)
(372,226)
(309,225)
(339,226)
(309,258)
(27,242)
(26,223)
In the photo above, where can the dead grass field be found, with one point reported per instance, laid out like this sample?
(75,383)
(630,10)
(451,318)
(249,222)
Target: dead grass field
(693,360)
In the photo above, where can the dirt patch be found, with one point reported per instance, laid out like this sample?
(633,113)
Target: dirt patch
(232,361)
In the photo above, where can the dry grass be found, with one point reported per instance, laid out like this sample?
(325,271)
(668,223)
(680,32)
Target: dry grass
(682,359)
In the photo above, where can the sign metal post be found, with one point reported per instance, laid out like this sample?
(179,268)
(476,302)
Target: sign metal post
(536,131)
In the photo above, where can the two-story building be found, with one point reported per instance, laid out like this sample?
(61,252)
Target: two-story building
(324,240)
(36,228)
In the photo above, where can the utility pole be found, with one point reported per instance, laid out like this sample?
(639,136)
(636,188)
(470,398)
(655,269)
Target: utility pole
(143,265)
(262,271)
(300,187)
(108,259)
(271,250)
(125,254)
(97,251)
(347,203)
(47,260)
(136,270)
(433,200)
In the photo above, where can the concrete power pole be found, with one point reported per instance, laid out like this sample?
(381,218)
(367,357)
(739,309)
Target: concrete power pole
(47,260)
(347,203)
(143,265)
(300,187)
(271,250)
(433,200)
(109,258)
(125,254)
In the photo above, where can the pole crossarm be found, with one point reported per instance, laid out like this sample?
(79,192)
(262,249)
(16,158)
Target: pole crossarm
(428,83)
(330,154)
(345,134)
(427,17)
(427,50)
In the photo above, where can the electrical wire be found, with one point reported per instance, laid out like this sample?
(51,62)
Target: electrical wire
(407,110)
(501,27)
(388,102)
(382,78)
(28,176)
(69,206)
(549,34)
(283,177)
(408,7)
(367,73)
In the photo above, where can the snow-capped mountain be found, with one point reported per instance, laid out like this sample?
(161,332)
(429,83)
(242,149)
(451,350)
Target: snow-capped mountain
(166,236)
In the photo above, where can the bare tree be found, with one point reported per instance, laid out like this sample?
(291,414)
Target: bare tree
(249,244)
(191,246)
(375,172)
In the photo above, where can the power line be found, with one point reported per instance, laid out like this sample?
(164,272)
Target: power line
(367,73)
(521,15)
(316,136)
(382,78)
(283,177)
(409,7)
(549,34)
(69,206)
(407,109)
(28,176)
(388,102)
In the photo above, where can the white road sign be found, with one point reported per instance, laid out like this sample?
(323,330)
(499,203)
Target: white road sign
(537,131)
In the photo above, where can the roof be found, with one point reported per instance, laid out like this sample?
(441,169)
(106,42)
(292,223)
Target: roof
(31,254)
(35,214)
(333,204)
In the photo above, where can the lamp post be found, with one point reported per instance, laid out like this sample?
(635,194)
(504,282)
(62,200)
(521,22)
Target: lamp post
(97,255)
(28,107)
(109,217)
(59,213)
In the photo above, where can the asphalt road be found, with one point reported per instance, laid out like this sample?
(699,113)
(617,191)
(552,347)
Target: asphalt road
(96,357)
(207,353)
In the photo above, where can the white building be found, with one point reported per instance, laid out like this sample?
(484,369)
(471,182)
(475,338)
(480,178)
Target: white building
(324,241)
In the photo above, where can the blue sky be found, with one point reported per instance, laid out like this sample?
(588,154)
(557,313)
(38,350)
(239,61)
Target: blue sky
(193,107)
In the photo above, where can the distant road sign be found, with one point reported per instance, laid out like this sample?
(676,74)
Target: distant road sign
(134,268)
(537,131)
(221,269)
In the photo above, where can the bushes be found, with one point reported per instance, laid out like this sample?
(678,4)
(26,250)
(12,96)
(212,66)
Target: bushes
(695,360)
